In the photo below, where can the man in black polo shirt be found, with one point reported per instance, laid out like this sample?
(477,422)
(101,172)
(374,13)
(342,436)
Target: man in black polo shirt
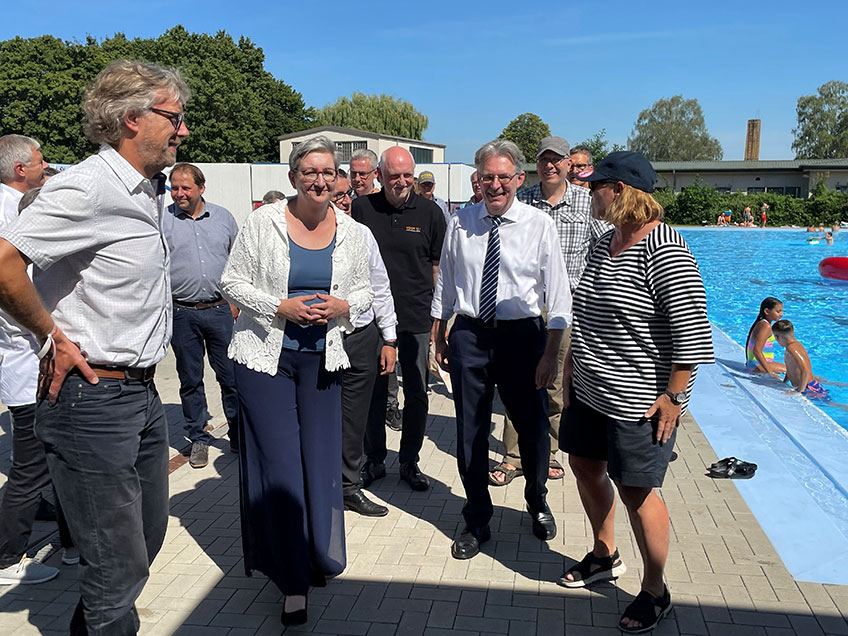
(409,230)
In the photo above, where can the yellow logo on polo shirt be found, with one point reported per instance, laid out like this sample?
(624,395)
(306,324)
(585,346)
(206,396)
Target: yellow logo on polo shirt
(413,228)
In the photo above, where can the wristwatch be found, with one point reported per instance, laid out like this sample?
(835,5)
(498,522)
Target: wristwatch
(676,398)
(390,343)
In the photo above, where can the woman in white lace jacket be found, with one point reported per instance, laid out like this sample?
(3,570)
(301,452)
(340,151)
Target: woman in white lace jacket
(298,273)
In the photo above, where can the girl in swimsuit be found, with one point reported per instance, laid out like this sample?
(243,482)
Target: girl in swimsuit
(759,356)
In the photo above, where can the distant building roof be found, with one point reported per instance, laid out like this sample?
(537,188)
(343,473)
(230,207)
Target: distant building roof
(354,131)
(739,166)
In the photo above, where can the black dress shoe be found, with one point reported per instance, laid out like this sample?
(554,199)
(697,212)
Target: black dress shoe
(467,544)
(371,472)
(359,503)
(544,525)
(415,478)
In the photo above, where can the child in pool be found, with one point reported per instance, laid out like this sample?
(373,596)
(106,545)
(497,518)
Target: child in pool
(759,357)
(799,369)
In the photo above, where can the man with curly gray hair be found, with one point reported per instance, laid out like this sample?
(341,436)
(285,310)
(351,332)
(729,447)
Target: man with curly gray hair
(100,307)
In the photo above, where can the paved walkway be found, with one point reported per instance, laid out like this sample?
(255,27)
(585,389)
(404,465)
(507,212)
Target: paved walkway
(724,575)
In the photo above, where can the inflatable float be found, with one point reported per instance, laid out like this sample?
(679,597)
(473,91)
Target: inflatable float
(835,267)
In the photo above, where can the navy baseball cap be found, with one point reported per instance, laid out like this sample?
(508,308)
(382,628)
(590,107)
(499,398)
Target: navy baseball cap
(630,168)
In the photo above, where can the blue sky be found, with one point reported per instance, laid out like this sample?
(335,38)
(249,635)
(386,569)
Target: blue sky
(471,67)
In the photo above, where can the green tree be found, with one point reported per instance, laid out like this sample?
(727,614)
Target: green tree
(236,111)
(822,131)
(382,114)
(599,146)
(526,131)
(673,129)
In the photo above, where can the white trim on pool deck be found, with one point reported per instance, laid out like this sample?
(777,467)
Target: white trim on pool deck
(799,493)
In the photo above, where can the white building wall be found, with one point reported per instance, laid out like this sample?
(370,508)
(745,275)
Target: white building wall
(377,145)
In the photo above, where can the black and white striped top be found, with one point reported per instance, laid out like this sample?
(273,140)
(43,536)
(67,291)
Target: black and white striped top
(634,316)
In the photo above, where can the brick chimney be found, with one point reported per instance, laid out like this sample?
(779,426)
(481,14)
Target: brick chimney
(752,140)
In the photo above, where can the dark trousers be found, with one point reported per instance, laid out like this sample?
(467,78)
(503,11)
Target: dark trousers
(413,349)
(197,331)
(27,478)
(363,348)
(290,477)
(107,449)
(506,356)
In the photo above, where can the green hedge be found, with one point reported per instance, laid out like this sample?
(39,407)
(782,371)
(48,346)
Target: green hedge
(697,203)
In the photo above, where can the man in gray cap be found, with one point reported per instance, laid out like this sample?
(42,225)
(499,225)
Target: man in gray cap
(427,189)
(570,208)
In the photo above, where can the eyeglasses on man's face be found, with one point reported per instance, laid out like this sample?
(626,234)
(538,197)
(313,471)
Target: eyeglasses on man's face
(339,196)
(361,174)
(555,160)
(175,118)
(504,179)
(311,176)
(579,167)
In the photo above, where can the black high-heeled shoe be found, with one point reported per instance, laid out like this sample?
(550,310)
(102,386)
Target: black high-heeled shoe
(297,617)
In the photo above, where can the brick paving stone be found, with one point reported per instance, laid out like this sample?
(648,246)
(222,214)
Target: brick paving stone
(723,572)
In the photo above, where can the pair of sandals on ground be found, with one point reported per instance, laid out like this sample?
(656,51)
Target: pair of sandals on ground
(504,473)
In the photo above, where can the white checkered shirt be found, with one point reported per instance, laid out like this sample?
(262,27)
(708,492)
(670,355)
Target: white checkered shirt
(578,231)
(94,233)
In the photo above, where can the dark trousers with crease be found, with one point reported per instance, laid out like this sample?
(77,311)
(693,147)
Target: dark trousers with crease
(27,478)
(413,349)
(505,356)
(107,450)
(363,349)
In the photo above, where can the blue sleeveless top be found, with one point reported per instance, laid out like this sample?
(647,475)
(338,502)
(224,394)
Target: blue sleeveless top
(310,272)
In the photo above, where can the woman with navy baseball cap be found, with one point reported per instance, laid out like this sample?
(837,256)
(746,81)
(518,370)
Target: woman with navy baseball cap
(640,330)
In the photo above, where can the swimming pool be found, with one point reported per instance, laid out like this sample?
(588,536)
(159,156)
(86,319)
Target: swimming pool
(741,266)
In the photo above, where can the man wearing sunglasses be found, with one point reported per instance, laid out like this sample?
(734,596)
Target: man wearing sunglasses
(101,309)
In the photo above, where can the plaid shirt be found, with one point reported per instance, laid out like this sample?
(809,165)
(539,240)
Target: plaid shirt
(578,231)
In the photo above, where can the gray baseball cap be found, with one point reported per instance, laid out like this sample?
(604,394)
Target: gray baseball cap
(555,144)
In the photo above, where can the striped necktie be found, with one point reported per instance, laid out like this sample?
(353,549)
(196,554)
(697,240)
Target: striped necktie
(489,284)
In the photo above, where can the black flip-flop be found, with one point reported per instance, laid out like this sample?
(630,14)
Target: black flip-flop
(734,469)
(722,463)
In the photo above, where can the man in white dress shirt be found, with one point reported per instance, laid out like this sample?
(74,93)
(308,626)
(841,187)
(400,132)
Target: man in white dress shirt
(501,267)
(372,350)
(102,316)
(21,169)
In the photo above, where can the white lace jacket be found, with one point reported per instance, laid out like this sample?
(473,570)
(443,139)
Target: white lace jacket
(256,276)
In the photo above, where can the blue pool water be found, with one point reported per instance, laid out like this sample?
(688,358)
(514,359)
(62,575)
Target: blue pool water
(741,266)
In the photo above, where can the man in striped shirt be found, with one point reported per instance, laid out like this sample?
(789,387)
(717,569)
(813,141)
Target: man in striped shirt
(570,208)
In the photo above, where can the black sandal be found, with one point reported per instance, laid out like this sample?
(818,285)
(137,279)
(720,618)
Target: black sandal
(593,568)
(644,609)
(732,468)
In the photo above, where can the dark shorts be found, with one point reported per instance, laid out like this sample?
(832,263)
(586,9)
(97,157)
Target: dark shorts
(633,456)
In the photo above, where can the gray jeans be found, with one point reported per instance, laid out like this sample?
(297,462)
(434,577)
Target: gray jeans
(107,450)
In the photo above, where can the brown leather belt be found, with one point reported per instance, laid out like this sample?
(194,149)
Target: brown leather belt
(201,305)
(130,374)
